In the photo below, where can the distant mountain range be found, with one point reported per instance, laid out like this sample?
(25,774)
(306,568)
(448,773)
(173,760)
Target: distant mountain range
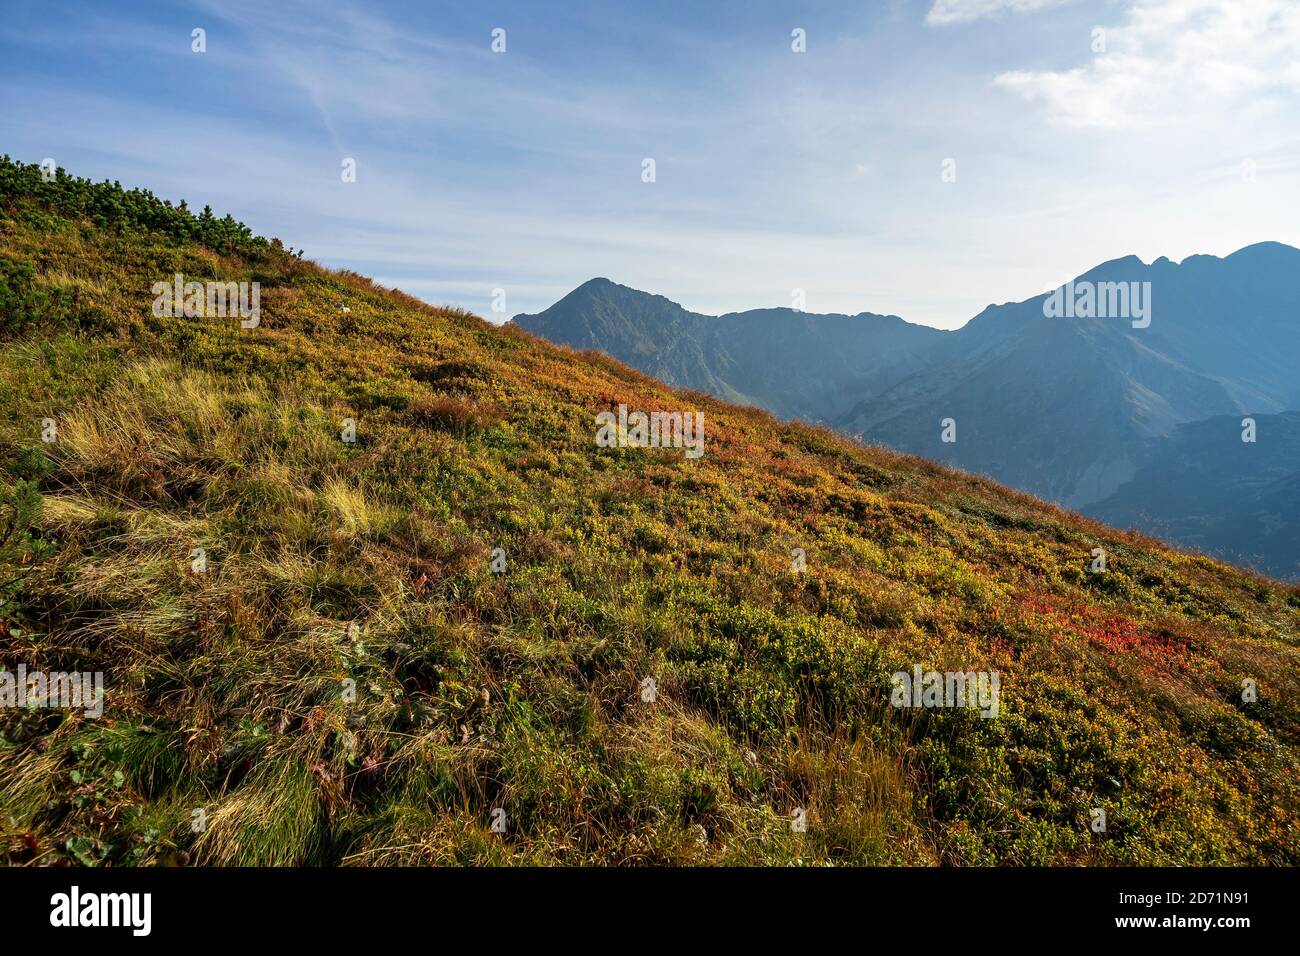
(795,364)
(1137,424)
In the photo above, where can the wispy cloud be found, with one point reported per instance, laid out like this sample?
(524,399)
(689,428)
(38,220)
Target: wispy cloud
(1172,59)
(945,12)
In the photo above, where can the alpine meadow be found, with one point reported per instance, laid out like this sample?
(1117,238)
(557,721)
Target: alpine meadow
(365,589)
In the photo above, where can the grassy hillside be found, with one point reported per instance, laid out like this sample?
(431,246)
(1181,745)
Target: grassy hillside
(370,562)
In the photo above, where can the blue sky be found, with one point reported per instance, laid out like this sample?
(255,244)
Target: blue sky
(775,170)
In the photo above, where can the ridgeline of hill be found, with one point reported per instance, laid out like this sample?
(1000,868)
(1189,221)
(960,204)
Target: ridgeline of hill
(1082,411)
(309,658)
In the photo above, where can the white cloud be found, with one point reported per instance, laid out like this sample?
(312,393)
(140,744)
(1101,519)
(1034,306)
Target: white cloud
(964,11)
(1173,59)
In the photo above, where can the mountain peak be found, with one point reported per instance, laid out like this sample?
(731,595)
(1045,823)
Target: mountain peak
(602,288)
(1123,266)
(1269,250)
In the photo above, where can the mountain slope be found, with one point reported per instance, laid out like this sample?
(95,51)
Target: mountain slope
(795,364)
(1204,487)
(1062,407)
(1065,408)
(308,656)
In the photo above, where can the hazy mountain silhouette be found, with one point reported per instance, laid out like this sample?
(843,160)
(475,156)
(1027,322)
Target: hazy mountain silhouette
(1072,409)
(1203,487)
(796,364)
(1063,407)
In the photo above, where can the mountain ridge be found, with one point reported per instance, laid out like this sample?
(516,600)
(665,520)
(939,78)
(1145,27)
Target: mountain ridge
(1012,378)
(715,353)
